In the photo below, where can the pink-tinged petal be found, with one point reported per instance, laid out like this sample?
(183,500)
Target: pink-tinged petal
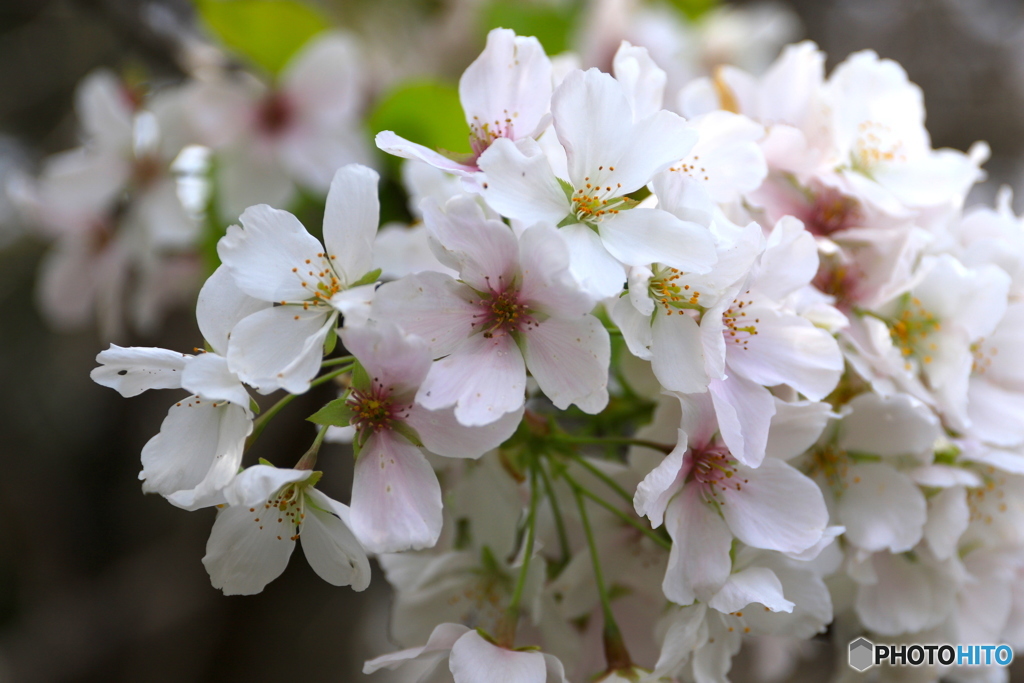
(569,359)
(329,544)
(787,349)
(519,185)
(102,103)
(597,272)
(440,642)
(508,87)
(243,555)
(429,305)
(324,79)
(473,660)
(280,347)
(483,250)
(774,507)
(639,237)
(546,283)
(391,143)
(888,425)
(350,221)
(751,585)
(881,509)
(744,411)
(678,354)
(208,376)
(199,448)
(484,378)
(441,433)
(257,484)
(221,305)
(393,360)
(396,499)
(697,418)
(263,254)
(641,79)
(135,369)
(698,564)
(664,481)
(795,427)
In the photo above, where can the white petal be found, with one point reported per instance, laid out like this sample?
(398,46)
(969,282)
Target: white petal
(908,597)
(753,584)
(698,563)
(795,427)
(280,347)
(391,143)
(948,517)
(244,555)
(195,440)
(790,259)
(350,221)
(511,79)
(687,631)
(483,250)
(444,435)
(441,640)
(330,546)
(432,306)
(256,484)
(664,481)
(569,359)
(135,369)
(221,305)
(323,78)
(207,375)
(597,272)
(881,509)
(484,378)
(678,354)
(888,425)
(635,327)
(396,500)
(775,508)
(641,79)
(473,660)
(103,104)
(744,412)
(520,186)
(641,236)
(262,255)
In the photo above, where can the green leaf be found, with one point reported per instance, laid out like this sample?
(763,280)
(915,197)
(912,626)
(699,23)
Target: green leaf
(360,379)
(337,413)
(426,112)
(266,32)
(331,341)
(694,9)
(254,406)
(551,23)
(368,278)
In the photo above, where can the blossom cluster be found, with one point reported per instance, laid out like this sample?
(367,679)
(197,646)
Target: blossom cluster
(699,365)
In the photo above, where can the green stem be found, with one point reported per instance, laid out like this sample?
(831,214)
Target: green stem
(341,360)
(614,648)
(507,634)
(260,423)
(608,481)
(639,526)
(616,440)
(556,512)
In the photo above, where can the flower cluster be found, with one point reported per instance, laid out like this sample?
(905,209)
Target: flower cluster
(696,367)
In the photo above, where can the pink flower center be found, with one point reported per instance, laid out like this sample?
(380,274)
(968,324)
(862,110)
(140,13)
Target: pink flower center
(502,312)
(483,133)
(274,114)
(373,409)
(715,470)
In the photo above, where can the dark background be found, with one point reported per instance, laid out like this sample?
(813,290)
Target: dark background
(101,583)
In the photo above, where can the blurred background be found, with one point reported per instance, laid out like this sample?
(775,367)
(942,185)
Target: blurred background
(99,582)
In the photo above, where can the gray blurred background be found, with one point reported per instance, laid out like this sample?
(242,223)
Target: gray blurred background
(101,583)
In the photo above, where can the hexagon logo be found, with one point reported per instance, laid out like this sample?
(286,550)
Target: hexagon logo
(862,654)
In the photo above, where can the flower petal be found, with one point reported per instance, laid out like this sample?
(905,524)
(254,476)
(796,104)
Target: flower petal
(483,250)
(441,433)
(569,359)
(396,499)
(429,305)
(698,563)
(678,353)
(329,544)
(392,359)
(350,221)
(280,347)
(243,555)
(473,659)
(221,305)
(135,369)
(521,185)
(639,237)
(753,584)
(881,508)
(207,375)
